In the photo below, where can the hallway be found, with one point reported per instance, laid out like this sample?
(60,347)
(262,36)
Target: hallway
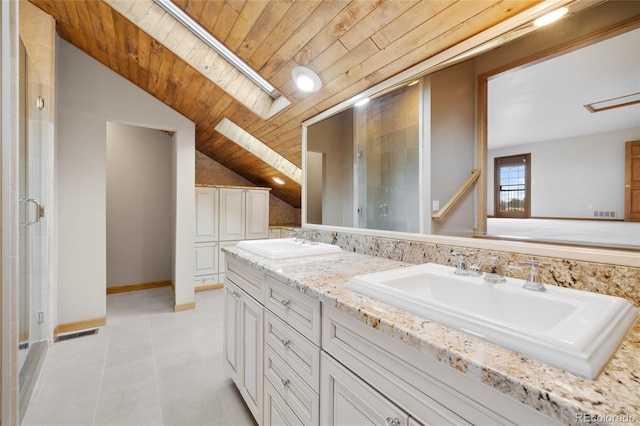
(147,366)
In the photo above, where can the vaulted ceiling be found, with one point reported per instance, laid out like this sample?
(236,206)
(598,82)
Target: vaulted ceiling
(352,45)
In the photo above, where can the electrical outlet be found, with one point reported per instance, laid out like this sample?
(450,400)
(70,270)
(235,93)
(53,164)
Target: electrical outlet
(435,206)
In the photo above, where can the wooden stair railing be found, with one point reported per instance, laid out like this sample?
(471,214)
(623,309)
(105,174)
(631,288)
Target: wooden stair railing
(475,174)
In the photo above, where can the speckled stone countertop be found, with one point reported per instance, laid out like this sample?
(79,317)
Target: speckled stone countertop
(559,394)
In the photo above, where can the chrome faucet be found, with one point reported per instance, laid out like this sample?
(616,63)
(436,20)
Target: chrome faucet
(305,236)
(532,282)
(311,237)
(461,266)
(493,277)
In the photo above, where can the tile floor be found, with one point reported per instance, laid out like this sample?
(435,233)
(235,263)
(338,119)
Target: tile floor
(147,366)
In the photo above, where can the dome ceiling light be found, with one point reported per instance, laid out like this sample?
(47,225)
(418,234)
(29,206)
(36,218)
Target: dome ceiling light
(306,79)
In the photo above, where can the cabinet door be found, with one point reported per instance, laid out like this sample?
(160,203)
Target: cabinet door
(347,400)
(206,214)
(206,259)
(222,258)
(231,345)
(251,350)
(232,214)
(257,214)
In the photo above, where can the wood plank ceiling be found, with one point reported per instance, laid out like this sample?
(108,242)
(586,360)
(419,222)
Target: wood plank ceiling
(352,45)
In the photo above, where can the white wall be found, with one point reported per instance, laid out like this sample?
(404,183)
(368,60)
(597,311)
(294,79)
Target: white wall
(334,138)
(451,127)
(314,175)
(139,218)
(90,95)
(570,178)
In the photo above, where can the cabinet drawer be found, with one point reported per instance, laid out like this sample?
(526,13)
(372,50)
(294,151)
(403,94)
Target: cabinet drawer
(245,277)
(297,309)
(299,353)
(347,400)
(276,411)
(298,395)
(362,350)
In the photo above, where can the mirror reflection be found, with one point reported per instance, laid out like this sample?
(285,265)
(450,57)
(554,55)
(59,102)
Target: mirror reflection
(566,176)
(532,163)
(375,145)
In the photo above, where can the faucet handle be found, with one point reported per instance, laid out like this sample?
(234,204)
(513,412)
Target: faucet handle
(532,282)
(461,265)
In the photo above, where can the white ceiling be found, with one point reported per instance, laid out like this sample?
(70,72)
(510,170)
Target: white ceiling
(546,101)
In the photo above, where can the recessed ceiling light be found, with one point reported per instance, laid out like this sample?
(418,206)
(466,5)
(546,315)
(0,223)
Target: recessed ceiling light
(361,102)
(550,17)
(306,79)
(278,180)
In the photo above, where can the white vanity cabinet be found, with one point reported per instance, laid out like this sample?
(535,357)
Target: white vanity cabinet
(292,350)
(431,393)
(347,400)
(276,369)
(243,344)
(299,362)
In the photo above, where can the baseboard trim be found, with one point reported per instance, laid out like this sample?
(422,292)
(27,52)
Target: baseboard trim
(184,307)
(79,325)
(208,287)
(137,287)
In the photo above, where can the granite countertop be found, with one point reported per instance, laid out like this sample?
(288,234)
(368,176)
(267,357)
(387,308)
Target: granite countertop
(557,393)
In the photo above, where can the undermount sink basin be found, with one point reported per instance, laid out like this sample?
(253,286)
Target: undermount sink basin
(577,331)
(286,248)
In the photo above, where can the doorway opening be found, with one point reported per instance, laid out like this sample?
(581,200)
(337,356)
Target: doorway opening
(512,186)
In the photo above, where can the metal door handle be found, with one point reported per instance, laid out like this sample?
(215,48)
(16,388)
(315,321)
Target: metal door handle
(39,210)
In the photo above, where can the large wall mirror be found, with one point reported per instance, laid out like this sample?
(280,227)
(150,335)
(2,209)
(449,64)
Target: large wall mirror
(532,140)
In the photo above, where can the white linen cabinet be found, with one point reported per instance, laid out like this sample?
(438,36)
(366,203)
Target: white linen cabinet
(244,214)
(224,216)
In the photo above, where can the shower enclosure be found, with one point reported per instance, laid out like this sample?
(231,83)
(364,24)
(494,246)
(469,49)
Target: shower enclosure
(33,238)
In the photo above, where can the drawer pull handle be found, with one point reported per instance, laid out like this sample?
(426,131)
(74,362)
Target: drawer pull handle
(285,382)
(285,303)
(392,422)
(286,343)
(235,293)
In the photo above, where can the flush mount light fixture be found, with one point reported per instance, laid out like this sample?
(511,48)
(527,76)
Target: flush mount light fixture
(306,79)
(278,180)
(180,16)
(361,102)
(550,17)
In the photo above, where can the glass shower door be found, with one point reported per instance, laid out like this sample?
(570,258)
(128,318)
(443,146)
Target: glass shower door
(33,241)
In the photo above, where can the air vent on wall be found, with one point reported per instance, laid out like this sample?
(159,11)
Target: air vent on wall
(70,336)
(605,213)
